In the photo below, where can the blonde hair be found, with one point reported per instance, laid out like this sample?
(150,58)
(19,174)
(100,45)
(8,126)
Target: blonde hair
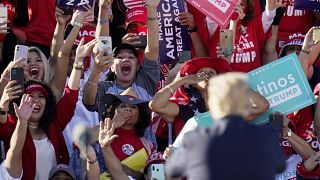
(228,95)
(48,72)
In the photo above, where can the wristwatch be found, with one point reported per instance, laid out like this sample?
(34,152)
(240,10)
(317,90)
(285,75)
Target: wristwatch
(289,134)
(78,65)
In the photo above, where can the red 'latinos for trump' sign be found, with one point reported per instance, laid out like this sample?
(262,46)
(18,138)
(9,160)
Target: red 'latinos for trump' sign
(219,11)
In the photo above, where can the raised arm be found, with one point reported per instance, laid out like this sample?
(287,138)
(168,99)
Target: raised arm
(10,93)
(58,36)
(305,58)
(152,50)
(106,137)
(13,162)
(91,87)
(93,168)
(61,71)
(161,103)
(186,19)
(103,18)
(298,144)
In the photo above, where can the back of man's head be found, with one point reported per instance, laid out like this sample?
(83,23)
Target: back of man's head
(228,95)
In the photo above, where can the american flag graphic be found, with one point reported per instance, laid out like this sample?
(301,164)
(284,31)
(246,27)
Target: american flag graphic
(134,3)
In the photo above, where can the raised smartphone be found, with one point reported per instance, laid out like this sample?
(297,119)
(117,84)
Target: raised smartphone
(316,35)
(3,17)
(277,121)
(157,172)
(21,52)
(105,44)
(226,41)
(143,42)
(18,75)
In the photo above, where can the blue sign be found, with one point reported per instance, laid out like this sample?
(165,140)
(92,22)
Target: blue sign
(173,38)
(74,4)
(284,84)
(312,5)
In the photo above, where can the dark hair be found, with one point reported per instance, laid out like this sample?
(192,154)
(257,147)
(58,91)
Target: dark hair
(49,113)
(144,118)
(250,12)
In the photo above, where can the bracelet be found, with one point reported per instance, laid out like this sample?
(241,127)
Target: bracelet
(92,83)
(170,90)
(305,51)
(78,24)
(92,162)
(152,18)
(78,66)
(195,29)
(104,21)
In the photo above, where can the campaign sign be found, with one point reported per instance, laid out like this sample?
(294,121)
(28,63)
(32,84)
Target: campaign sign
(284,84)
(312,5)
(173,38)
(219,11)
(74,4)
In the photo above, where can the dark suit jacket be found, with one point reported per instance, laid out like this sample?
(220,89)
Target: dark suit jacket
(231,149)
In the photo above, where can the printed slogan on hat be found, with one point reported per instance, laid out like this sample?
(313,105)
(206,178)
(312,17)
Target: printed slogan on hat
(173,38)
(307,5)
(283,84)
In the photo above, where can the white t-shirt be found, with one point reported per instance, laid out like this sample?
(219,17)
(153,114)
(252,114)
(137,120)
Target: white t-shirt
(45,158)
(4,174)
(291,169)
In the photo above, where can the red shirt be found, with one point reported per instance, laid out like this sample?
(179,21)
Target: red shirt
(248,46)
(303,120)
(42,21)
(294,21)
(126,144)
(64,113)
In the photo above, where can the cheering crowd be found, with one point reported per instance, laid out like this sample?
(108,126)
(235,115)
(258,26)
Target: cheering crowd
(87,106)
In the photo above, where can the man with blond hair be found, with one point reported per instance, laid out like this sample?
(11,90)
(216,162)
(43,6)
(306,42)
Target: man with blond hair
(231,148)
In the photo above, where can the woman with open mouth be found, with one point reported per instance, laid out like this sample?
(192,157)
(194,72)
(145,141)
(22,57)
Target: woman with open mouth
(40,122)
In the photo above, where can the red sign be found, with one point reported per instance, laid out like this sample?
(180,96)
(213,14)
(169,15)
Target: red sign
(219,11)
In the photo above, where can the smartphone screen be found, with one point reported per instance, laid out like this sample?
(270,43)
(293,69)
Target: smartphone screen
(226,41)
(3,17)
(18,75)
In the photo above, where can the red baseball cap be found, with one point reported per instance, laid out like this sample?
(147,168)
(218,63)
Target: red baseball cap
(38,87)
(137,14)
(194,65)
(155,157)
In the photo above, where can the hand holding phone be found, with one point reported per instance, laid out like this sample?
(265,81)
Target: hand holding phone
(226,41)
(17,74)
